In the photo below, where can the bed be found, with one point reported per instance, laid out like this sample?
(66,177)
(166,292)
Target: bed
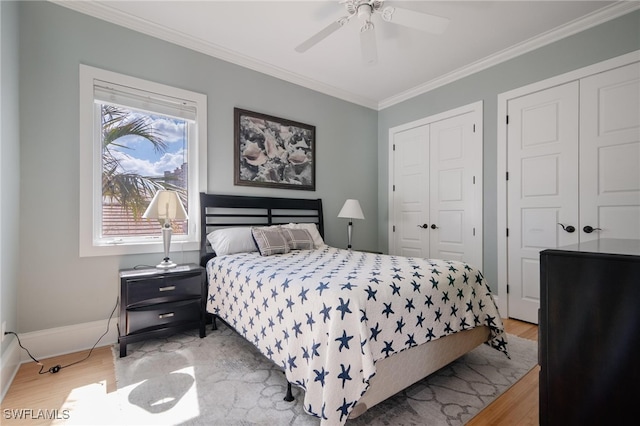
(350,328)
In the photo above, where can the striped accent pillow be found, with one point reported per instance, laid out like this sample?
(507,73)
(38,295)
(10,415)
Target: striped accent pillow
(270,240)
(298,239)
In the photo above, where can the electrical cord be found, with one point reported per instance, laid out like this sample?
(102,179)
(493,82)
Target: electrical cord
(57,368)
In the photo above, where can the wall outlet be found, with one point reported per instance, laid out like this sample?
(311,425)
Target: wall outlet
(4,328)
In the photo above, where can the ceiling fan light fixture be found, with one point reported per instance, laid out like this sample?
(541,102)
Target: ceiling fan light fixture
(367,26)
(364,11)
(387,13)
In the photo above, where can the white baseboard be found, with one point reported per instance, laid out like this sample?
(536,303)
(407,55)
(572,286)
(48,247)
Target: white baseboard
(64,340)
(9,364)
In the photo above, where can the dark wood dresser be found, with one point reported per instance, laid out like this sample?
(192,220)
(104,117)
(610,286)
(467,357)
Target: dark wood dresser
(589,341)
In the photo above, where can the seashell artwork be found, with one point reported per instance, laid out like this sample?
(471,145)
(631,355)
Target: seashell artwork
(273,152)
(298,157)
(272,147)
(254,155)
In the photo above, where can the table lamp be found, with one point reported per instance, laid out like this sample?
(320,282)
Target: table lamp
(166,206)
(351,210)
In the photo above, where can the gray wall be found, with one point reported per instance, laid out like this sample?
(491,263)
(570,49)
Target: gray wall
(9,167)
(597,44)
(56,286)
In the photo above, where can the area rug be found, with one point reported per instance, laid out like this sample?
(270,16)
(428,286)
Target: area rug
(223,380)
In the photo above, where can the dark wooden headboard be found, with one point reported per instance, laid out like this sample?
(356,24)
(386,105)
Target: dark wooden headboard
(225,211)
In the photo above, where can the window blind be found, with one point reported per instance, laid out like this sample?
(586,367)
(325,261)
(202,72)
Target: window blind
(128,97)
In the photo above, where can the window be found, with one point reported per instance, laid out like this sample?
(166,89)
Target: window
(137,137)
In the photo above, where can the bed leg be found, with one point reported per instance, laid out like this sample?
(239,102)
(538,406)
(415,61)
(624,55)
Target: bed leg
(214,326)
(289,396)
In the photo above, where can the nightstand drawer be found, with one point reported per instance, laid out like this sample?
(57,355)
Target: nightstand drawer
(163,289)
(155,316)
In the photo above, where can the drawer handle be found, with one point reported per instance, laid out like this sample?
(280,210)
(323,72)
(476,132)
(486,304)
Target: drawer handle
(168,315)
(168,288)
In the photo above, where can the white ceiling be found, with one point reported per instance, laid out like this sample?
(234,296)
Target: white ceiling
(262,35)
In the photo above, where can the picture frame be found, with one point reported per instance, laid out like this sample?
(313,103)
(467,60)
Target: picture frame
(273,152)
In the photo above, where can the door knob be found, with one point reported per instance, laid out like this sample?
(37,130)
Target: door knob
(425,226)
(588,229)
(434,226)
(568,228)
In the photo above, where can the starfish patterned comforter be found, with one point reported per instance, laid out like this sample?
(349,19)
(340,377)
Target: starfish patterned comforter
(327,315)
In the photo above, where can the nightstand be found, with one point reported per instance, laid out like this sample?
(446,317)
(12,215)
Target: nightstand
(158,302)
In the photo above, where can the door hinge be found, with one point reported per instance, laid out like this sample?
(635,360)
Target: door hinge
(474,128)
(507,232)
(394,188)
(474,232)
(507,119)
(507,288)
(474,180)
(507,175)
(394,146)
(394,228)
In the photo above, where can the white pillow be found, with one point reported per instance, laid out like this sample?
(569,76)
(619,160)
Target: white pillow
(231,240)
(313,230)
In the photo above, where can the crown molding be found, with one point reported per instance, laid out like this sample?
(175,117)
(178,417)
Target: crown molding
(102,11)
(595,18)
(106,13)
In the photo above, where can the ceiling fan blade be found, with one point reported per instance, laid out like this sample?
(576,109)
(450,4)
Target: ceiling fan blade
(417,20)
(368,45)
(319,36)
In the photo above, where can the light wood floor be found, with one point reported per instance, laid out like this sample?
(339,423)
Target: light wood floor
(519,404)
(95,378)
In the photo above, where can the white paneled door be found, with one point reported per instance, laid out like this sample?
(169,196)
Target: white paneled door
(610,154)
(411,192)
(437,190)
(542,188)
(456,158)
(573,154)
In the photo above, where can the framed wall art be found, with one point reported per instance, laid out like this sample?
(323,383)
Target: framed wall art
(273,152)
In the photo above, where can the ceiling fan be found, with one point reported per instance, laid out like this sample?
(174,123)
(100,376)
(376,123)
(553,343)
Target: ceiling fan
(364,10)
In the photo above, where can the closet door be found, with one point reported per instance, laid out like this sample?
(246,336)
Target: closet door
(436,187)
(411,192)
(542,189)
(610,154)
(456,155)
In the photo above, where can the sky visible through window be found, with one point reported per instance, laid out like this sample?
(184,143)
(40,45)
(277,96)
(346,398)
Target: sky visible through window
(141,158)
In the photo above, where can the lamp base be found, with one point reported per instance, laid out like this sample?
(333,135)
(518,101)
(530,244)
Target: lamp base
(166,264)
(166,242)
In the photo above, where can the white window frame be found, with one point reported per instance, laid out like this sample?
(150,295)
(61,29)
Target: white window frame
(90,220)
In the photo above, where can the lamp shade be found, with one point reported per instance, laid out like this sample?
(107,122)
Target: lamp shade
(165,205)
(351,210)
